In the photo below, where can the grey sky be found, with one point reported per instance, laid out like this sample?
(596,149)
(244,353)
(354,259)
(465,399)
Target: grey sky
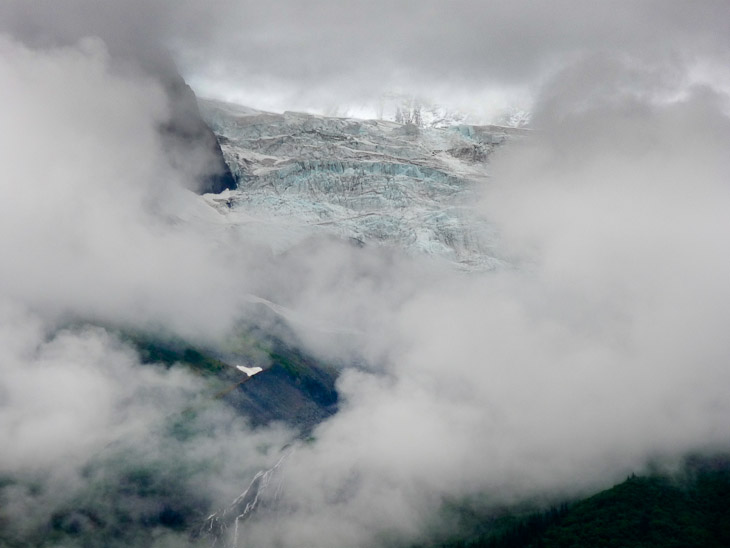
(358,49)
(606,347)
(316,53)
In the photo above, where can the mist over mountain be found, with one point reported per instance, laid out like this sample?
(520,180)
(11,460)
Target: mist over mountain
(372,182)
(444,317)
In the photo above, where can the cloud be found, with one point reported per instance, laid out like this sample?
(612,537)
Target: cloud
(92,211)
(97,227)
(101,447)
(604,347)
(417,46)
(602,351)
(312,56)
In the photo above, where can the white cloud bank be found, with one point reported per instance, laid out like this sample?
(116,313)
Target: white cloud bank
(603,348)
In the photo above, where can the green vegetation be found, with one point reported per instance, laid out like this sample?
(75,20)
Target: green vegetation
(312,378)
(294,388)
(135,497)
(686,510)
(153,492)
(174,350)
(315,380)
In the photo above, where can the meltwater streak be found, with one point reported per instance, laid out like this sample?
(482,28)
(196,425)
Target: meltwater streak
(223,527)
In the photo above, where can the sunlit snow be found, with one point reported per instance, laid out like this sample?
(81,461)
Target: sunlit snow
(250,371)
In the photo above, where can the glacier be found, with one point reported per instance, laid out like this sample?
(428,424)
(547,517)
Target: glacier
(373,182)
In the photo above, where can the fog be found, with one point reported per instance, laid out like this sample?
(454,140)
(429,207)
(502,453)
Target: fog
(286,55)
(600,350)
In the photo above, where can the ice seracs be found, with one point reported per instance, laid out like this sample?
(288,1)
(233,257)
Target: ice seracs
(370,181)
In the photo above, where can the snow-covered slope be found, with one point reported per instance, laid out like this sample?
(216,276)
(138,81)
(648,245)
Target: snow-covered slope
(373,181)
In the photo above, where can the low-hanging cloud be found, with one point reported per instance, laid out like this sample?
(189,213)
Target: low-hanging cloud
(603,348)
(458,53)
(97,227)
(289,55)
(93,215)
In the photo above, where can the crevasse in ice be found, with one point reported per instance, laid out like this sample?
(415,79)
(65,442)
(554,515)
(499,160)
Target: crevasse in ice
(373,181)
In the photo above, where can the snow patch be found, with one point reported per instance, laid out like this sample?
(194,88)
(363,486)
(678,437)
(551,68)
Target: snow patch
(250,371)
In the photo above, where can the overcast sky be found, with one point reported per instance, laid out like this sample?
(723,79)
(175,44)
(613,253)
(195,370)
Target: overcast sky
(318,54)
(602,348)
(311,53)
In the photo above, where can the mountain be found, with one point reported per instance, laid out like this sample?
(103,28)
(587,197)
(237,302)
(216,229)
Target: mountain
(151,495)
(686,508)
(190,142)
(371,181)
(293,388)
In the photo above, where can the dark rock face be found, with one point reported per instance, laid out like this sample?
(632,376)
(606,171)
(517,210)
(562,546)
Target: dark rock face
(192,146)
(295,390)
